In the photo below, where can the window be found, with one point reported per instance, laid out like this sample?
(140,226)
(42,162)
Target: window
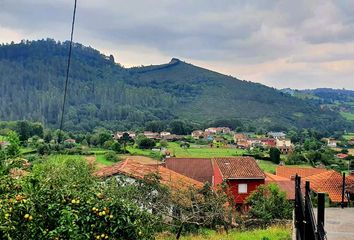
(242,188)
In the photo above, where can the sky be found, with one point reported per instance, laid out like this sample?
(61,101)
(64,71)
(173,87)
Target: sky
(285,43)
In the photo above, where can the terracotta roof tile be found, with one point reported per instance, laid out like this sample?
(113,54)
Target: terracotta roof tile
(284,184)
(290,172)
(199,169)
(239,168)
(136,170)
(329,182)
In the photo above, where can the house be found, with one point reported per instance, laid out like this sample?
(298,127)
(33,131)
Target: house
(119,135)
(151,135)
(197,134)
(242,174)
(134,170)
(290,172)
(342,155)
(132,134)
(331,142)
(70,141)
(321,180)
(268,142)
(216,130)
(284,145)
(164,134)
(285,184)
(199,169)
(277,135)
(239,137)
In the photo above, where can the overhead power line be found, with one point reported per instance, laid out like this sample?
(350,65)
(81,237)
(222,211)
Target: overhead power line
(67,74)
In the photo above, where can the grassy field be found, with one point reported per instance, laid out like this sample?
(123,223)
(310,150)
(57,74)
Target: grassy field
(102,159)
(347,115)
(348,136)
(202,151)
(272,233)
(267,166)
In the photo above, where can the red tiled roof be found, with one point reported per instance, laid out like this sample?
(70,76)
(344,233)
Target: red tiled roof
(284,184)
(239,168)
(289,172)
(200,169)
(329,182)
(136,170)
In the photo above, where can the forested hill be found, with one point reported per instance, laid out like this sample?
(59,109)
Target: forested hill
(103,93)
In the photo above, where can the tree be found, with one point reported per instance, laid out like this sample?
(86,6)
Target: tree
(14,148)
(116,147)
(268,203)
(146,143)
(163,143)
(125,139)
(274,155)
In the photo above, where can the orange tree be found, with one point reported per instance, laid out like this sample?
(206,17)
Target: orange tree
(60,199)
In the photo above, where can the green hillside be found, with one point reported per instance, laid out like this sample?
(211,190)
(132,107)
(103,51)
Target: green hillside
(102,93)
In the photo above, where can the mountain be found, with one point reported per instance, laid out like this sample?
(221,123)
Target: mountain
(338,100)
(103,93)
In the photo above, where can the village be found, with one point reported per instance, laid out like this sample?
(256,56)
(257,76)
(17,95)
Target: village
(238,164)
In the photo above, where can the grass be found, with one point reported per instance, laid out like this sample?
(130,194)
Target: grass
(102,159)
(347,115)
(271,233)
(348,136)
(267,166)
(143,152)
(3,138)
(200,151)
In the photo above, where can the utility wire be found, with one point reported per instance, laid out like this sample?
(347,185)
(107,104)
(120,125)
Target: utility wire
(67,74)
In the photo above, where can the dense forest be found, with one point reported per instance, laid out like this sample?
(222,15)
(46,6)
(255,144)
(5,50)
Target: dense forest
(103,93)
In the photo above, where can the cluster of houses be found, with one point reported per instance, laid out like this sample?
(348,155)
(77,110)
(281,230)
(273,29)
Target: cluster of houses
(151,135)
(242,175)
(277,140)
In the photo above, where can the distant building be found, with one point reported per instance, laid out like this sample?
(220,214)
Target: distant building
(217,130)
(284,145)
(197,134)
(119,135)
(331,142)
(164,134)
(276,134)
(151,135)
(70,140)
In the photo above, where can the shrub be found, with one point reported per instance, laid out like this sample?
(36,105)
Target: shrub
(61,199)
(268,203)
(111,156)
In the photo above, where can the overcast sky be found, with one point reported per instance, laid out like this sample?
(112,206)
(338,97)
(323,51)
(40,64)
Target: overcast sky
(297,44)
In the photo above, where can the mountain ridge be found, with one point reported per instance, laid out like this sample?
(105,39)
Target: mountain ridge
(103,93)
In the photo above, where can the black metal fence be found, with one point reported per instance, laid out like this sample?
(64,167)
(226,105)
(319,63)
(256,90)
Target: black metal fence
(305,222)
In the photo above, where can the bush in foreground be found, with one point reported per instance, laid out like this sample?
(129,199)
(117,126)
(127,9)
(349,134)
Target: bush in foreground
(61,200)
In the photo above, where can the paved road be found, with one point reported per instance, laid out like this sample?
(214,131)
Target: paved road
(339,223)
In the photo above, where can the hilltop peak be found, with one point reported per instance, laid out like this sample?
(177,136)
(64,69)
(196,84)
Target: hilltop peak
(174,60)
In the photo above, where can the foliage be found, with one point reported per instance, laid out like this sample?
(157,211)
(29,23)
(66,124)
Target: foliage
(268,203)
(111,156)
(145,143)
(61,199)
(274,155)
(14,148)
(273,232)
(178,95)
